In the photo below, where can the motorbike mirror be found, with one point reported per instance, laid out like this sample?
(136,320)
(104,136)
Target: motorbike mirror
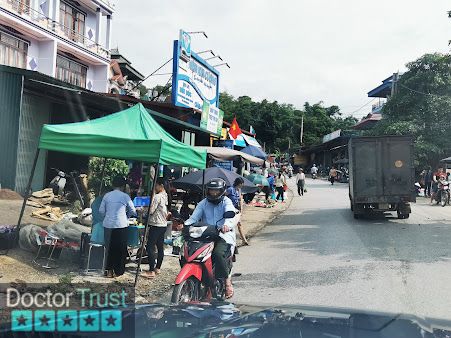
(229,214)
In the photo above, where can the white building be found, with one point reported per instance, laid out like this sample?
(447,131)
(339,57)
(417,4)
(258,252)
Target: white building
(66,39)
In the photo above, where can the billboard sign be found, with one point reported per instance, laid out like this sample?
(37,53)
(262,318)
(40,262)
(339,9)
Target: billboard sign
(193,79)
(227,165)
(212,118)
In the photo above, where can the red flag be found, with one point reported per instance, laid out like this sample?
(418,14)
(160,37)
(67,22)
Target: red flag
(234,130)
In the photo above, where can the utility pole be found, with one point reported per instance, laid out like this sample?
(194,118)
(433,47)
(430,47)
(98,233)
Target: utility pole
(302,129)
(394,86)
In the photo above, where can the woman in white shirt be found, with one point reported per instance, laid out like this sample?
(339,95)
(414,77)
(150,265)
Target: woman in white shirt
(300,182)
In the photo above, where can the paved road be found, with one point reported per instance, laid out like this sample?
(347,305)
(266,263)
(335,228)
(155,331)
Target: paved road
(317,254)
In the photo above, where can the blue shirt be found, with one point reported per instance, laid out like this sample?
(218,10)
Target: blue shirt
(213,213)
(235,195)
(116,207)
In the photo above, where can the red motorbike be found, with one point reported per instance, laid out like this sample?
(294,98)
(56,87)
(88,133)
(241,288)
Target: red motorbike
(196,280)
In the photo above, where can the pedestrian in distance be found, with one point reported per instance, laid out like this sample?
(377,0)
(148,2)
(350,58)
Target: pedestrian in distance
(281,182)
(234,193)
(332,175)
(427,182)
(158,215)
(300,182)
(116,207)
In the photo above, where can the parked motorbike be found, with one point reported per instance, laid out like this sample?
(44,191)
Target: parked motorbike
(196,280)
(417,189)
(66,192)
(314,176)
(442,196)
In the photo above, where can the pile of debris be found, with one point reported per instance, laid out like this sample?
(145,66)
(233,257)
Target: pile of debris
(42,200)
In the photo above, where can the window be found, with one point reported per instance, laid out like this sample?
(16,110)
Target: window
(21,6)
(13,51)
(70,71)
(73,22)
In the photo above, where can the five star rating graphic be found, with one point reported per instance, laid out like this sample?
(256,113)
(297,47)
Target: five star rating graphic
(66,320)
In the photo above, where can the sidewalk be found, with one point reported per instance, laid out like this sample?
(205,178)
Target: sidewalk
(18,266)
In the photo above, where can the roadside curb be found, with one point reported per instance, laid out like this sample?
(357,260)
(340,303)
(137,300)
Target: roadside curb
(253,232)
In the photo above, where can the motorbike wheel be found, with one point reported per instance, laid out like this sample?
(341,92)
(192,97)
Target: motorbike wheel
(443,199)
(187,291)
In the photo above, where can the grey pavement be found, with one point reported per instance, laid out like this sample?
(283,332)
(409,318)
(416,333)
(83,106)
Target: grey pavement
(315,253)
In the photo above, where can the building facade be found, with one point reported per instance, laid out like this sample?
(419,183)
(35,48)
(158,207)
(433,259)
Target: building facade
(65,39)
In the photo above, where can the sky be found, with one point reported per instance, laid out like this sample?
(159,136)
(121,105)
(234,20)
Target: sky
(289,51)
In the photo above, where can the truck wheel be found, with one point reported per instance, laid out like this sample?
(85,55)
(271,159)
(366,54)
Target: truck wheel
(402,216)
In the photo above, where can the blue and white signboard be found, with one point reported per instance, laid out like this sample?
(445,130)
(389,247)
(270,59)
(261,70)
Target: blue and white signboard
(194,80)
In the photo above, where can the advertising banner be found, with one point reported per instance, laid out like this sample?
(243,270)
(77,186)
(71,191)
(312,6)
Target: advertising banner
(212,118)
(194,80)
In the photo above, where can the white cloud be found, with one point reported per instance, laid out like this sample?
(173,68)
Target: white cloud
(290,51)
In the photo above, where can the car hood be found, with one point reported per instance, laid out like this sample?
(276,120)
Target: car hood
(247,320)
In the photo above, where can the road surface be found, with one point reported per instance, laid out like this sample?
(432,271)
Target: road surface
(316,253)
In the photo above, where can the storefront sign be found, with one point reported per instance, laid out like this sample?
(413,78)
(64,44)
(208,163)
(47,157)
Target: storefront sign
(211,119)
(194,80)
(333,135)
(227,165)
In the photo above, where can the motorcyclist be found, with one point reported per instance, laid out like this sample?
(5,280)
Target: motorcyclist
(314,170)
(211,210)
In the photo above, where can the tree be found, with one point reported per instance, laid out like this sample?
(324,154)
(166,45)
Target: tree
(112,168)
(278,124)
(421,107)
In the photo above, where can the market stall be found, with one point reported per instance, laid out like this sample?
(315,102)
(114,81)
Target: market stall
(131,134)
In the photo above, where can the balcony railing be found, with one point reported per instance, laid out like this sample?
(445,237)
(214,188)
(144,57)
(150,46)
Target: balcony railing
(27,12)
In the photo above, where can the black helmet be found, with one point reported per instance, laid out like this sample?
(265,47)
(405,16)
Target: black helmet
(215,190)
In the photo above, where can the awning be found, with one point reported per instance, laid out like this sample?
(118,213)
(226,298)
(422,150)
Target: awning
(239,141)
(251,141)
(255,151)
(226,154)
(131,134)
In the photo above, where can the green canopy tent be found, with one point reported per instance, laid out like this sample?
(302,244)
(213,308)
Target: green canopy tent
(131,134)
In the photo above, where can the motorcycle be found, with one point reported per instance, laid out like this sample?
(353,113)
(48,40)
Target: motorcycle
(314,176)
(442,196)
(417,189)
(196,280)
(61,188)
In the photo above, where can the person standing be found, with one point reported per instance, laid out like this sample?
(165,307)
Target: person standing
(427,183)
(158,214)
(270,190)
(300,182)
(281,182)
(234,193)
(332,175)
(116,207)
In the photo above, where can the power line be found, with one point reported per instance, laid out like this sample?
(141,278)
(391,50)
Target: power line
(366,104)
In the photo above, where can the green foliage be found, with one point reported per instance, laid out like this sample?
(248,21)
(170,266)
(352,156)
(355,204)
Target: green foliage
(112,168)
(421,107)
(278,125)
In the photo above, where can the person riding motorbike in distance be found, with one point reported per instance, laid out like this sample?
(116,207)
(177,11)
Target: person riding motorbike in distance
(210,211)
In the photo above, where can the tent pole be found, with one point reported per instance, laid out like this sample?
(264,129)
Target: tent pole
(203,183)
(27,191)
(102,175)
(147,225)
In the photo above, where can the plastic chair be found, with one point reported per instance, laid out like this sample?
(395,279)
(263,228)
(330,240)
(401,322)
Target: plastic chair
(97,241)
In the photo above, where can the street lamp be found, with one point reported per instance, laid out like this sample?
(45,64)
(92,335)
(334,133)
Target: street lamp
(222,64)
(199,32)
(214,57)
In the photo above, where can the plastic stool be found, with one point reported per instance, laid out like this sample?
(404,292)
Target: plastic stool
(91,245)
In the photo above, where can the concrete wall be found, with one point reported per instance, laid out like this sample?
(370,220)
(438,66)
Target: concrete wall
(47,57)
(97,78)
